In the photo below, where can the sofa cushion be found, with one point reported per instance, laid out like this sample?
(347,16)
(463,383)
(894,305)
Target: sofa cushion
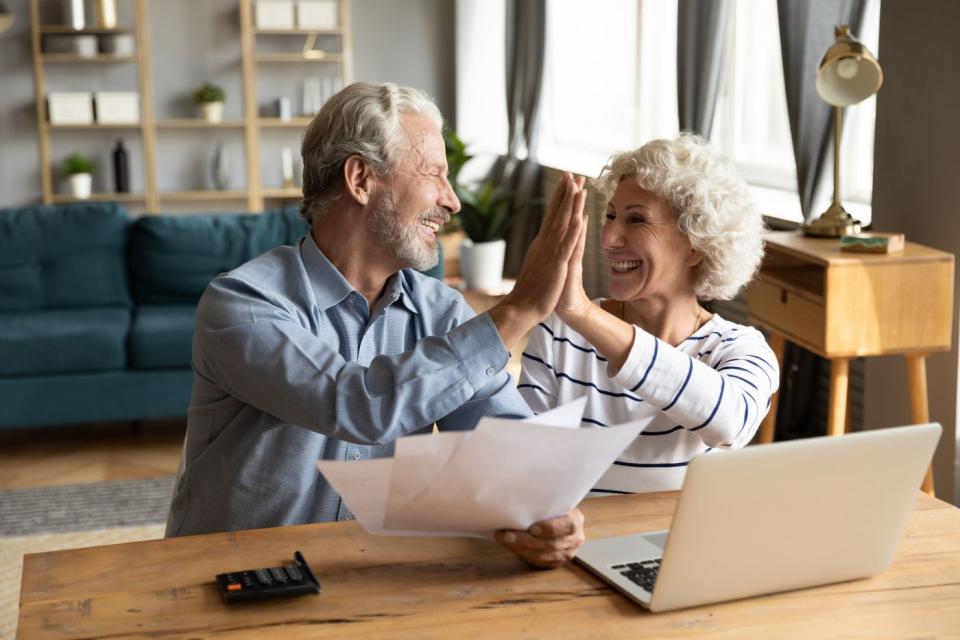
(63,340)
(54,257)
(173,258)
(161,336)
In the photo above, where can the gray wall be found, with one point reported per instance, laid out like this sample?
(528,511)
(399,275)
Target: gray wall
(404,41)
(917,191)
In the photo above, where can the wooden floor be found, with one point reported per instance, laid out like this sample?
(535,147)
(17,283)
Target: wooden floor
(45,456)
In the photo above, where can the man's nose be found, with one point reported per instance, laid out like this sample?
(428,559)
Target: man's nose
(448,198)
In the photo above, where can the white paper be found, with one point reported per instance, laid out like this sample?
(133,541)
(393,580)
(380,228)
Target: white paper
(504,474)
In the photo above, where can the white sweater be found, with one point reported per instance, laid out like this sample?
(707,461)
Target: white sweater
(710,392)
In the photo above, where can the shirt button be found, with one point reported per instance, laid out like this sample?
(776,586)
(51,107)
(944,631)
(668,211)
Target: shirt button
(357,455)
(491,371)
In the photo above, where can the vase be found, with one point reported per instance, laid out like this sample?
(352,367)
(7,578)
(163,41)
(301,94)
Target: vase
(81,185)
(220,168)
(212,111)
(481,264)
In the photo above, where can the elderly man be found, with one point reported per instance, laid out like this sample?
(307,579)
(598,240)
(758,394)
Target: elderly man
(336,347)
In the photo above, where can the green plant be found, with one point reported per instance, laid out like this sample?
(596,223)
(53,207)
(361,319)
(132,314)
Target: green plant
(484,212)
(484,208)
(208,93)
(77,163)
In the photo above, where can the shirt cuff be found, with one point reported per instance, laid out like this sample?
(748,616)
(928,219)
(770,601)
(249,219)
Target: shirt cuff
(480,350)
(639,356)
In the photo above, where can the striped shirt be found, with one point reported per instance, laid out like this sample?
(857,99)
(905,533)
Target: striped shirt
(709,392)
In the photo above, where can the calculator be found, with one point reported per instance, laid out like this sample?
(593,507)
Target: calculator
(275,582)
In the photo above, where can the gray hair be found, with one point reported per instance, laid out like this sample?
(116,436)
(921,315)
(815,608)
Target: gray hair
(363,120)
(711,201)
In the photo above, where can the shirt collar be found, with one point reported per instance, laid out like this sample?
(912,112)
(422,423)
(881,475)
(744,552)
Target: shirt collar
(330,287)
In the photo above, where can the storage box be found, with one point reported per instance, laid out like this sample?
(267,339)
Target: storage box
(317,14)
(70,107)
(274,14)
(117,44)
(117,107)
(84,46)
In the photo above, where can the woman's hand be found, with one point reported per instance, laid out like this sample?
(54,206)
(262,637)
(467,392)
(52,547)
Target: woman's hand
(548,543)
(574,302)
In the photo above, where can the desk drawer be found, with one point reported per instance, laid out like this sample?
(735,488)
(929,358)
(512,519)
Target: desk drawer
(790,312)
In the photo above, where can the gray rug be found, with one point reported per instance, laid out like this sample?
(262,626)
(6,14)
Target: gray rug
(85,507)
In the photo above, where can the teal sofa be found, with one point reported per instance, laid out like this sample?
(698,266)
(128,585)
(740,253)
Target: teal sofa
(97,309)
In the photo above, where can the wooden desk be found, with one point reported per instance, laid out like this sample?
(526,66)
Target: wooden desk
(843,305)
(379,587)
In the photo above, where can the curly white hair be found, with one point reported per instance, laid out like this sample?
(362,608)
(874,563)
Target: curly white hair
(711,201)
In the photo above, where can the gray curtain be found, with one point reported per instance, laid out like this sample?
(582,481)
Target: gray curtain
(525,42)
(806,32)
(701,56)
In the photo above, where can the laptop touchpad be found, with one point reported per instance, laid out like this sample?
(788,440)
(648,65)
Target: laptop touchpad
(659,539)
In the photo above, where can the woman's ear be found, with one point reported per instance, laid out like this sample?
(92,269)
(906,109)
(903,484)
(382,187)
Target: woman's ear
(694,258)
(358,179)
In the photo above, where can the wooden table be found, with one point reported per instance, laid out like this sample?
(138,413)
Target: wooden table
(379,587)
(842,305)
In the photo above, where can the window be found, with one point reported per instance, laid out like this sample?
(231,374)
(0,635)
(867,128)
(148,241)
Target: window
(610,84)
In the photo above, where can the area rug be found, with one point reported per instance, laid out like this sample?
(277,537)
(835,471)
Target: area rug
(84,507)
(70,517)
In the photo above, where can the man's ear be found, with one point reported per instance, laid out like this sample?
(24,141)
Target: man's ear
(358,179)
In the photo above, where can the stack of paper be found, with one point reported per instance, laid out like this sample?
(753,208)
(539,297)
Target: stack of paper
(505,474)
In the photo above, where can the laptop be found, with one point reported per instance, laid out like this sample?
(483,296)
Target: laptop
(774,517)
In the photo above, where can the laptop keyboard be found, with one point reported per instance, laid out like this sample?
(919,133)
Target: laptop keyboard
(643,574)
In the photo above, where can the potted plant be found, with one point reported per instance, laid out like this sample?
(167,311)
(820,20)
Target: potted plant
(79,171)
(209,98)
(484,219)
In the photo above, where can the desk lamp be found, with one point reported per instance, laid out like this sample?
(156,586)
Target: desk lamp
(848,74)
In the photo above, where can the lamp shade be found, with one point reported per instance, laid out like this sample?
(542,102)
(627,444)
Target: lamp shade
(848,73)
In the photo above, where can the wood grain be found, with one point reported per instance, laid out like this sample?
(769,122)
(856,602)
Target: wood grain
(378,587)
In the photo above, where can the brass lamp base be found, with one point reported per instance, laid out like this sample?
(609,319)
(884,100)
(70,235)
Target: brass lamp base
(834,222)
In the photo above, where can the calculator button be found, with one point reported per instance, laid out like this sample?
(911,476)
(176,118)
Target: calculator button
(264,577)
(278,574)
(234,587)
(294,573)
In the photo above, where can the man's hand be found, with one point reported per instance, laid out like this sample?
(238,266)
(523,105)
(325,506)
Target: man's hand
(542,276)
(549,543)
(574,301)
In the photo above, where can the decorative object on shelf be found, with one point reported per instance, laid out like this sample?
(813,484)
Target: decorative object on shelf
(117,44)
(121,169)
(316,14)
(274,14)
(70,107)
(79,171)
(220,168)
(117,107)
(283,109)
(84,46)
(873,242)
(6,17)
(73,14)
(105,14)
(286,166)
(210,98)
(848,74)
(312,100)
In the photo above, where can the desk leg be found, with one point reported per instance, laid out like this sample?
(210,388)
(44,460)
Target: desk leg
(769,425)
(839,383)
(919,408)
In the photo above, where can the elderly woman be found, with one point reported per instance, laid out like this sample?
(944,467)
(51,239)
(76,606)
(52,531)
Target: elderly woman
(679,229)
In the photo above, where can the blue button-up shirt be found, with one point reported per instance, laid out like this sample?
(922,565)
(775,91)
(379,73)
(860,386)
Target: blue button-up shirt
(291,365)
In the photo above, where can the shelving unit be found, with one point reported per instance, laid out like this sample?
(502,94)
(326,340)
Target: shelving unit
(250,123)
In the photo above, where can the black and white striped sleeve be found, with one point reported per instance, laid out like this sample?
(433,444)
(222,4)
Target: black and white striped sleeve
(538,385)
(723,405)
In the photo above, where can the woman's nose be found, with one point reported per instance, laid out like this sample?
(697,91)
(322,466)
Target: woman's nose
(611,237)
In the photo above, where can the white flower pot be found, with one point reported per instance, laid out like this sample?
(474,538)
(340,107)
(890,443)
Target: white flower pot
(481,264)
(80,185)
(212,111)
